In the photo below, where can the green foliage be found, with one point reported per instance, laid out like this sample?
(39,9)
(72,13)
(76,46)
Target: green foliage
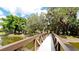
(17,25)
(13,24)
(36,23)
(11,38)
(60,20)
(63,20)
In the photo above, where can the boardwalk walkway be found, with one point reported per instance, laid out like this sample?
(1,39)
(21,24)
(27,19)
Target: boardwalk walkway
(47,44)
(42,42)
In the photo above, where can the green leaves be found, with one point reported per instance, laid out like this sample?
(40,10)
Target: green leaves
(13,23)
(62,17)
(36,23)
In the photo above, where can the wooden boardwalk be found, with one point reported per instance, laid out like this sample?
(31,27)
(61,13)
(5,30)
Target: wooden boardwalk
(41,42)
(47,44)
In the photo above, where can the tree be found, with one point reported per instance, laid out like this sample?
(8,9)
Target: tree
(14,24)
(36,23)
(62,19)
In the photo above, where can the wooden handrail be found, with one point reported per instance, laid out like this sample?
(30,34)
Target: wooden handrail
(59,42)
(19,44)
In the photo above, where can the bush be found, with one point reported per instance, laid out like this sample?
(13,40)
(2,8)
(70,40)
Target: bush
(11,38)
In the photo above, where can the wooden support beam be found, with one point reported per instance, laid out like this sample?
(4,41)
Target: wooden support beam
(42,38)
(38,42)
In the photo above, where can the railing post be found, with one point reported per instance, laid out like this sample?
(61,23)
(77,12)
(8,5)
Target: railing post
(55,42)
(58,46)
(35,45)
(41,39)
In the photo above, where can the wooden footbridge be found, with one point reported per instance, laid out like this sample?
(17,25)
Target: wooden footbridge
(41,42)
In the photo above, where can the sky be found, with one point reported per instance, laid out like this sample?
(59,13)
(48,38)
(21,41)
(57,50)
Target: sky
(21,7)
(24,8)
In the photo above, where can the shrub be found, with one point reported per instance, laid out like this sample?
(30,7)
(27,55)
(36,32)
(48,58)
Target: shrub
(11,38)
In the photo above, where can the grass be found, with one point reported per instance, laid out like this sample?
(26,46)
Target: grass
(2,33)
(10,39)
(68,37)
(30,45)
(13,38)
(74,44)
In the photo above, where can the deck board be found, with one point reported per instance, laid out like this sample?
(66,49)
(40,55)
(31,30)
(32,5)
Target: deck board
(47,44)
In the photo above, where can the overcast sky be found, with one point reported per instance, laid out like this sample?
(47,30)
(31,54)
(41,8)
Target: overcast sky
(21,7)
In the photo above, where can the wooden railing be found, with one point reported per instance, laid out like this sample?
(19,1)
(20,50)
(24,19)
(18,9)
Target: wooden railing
(37,39)
(61,44)
(58,43)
